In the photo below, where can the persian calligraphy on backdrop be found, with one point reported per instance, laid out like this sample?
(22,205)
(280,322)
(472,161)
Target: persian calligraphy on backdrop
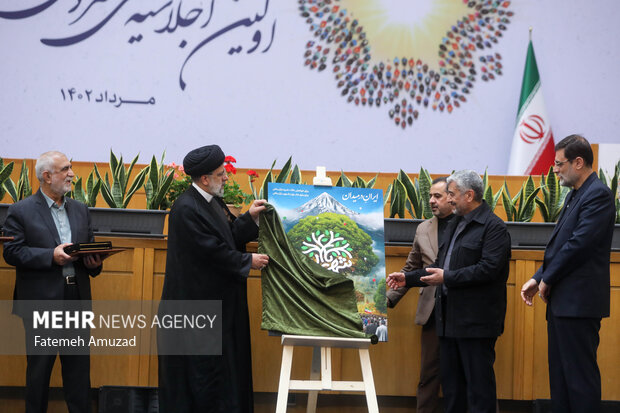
(161,17)
(74,95)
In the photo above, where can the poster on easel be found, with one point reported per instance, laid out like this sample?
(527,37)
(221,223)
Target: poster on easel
(340,229)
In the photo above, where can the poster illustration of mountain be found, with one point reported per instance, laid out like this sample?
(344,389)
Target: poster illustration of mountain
(340,229)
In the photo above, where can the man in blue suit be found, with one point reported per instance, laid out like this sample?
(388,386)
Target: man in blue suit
(42,226)
(574,280)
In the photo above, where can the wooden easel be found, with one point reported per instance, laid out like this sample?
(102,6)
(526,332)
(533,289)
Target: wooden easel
(321,375)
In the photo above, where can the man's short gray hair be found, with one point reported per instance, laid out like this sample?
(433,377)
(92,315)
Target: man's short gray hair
(45,163)
(466,180)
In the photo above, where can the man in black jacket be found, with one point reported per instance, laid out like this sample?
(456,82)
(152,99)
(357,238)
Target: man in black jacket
(470,306)
(206,260)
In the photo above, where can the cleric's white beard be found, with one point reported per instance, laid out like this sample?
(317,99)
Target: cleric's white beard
(216,190)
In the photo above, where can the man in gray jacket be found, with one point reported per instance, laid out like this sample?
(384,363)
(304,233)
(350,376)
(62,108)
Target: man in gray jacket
(423,254)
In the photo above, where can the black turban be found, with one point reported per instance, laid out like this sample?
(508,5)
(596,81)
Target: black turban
(204,160)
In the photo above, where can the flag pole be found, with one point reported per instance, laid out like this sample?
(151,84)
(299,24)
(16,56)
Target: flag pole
(532,150)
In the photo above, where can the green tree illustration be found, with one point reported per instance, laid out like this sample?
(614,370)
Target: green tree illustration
(360,243)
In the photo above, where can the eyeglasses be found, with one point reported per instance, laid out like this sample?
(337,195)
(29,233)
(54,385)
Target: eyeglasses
(560,163)
(219,175)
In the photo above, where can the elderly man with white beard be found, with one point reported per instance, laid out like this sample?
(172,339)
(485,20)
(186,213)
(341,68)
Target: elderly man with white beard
(42,225)
(207,261)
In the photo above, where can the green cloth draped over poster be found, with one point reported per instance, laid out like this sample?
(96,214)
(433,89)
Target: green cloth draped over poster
(299,296)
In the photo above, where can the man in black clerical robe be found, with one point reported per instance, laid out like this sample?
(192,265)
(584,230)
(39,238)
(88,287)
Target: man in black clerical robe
(207,261)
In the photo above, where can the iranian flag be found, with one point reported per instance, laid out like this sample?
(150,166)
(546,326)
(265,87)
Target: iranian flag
(532,151)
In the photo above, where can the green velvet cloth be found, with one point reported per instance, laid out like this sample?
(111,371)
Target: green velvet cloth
(299,296)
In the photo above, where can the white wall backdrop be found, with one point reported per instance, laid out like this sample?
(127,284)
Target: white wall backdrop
(247,86)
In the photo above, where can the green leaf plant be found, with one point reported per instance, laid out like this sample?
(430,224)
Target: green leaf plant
(117,195)
(398,199)
(412,196)
(288,172)
(22,189)
(521,208)
(89,194)
(5,176)
(553,196)
(612,183)
(159,179)
(490,198)
(358,182)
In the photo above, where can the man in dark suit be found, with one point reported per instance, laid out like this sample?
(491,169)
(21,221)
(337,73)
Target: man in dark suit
(207,261)
(574,280)
(470,274)
(423,253)
(42,225)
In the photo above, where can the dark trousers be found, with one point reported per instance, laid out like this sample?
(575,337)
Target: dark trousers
(428,388)
(467,376)
(574,376)
(75,371)
(189,384)
(75,382)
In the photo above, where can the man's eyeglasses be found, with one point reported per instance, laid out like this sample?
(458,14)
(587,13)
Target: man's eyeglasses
(219,175)
(560,163)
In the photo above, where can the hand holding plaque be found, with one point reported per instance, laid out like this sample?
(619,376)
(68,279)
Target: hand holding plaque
(104,249)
